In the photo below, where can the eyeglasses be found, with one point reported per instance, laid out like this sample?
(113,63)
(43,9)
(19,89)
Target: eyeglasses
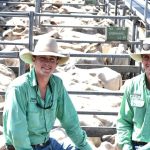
(49,106)
(146,47)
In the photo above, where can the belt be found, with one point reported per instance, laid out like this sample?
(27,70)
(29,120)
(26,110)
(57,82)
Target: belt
(42,145)
(11,147)
(137,143)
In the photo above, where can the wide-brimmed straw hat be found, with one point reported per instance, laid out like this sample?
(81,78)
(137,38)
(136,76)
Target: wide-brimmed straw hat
(145,50)
(45,47)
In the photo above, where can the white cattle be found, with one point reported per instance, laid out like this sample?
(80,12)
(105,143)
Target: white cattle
(6,76)
(1,130)
(110,143)
(108,146)
(91,60)
(20,32)
(2,143)
(111,79)
(60,135)
(121,49)
(2,22)
(77,79)
(93,79)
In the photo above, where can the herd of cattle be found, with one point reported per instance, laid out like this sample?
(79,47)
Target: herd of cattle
(97,79)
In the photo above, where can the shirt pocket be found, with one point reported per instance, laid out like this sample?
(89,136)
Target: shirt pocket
(33,107)
(136,101)
(33,116)
(138,106)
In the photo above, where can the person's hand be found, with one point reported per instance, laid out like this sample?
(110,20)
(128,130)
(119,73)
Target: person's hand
(127,147)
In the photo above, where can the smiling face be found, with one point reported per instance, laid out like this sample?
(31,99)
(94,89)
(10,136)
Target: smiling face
(146,65)
(45,65)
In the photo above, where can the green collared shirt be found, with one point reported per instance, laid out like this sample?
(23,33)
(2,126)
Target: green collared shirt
(25,124)
(134,117)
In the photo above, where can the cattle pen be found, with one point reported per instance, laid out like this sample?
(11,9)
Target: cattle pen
(34,20)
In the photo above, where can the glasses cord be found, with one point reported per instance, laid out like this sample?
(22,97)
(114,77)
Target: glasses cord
(39,105)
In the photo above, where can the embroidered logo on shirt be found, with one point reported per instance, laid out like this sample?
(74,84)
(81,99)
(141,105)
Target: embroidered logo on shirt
(136,100)
(33,100)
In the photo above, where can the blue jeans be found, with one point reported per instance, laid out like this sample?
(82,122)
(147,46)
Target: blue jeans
(136,146)
(55,145)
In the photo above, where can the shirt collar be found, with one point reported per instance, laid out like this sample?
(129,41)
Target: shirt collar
(33,81)
(32,78)
(144,80)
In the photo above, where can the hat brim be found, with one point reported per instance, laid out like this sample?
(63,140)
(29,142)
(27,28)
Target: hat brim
(27,56)
(137,56)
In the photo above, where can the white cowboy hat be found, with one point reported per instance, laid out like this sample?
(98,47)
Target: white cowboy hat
(145,50)
(45,47)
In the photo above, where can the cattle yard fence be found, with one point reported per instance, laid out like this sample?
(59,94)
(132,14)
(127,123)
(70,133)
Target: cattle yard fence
(34,20)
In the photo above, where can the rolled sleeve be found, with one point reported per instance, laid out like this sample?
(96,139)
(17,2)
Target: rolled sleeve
(14,120)
(127,147)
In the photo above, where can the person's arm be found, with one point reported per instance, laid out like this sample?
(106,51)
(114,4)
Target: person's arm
(68,117)
(14,119)
(125,124)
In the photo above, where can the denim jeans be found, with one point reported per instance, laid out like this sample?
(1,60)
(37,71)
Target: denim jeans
(136,147)
(55,145)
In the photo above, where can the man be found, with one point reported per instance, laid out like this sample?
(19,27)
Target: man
(34,101)
(133,124)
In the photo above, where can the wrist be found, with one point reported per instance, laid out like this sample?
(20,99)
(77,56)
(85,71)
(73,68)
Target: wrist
(127,147)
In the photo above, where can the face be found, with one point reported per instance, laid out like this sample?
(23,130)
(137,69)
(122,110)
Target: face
(146,64)
(45,65)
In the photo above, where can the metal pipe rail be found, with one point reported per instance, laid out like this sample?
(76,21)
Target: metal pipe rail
(9,2)
(5,42)
(15,14)
(91,131)
(72,12)
(88,93)
(98,55)
(9,54)
(67,26)
(97,41)
(99,131)
(97,113)
(28,43)
(96,93)
(30,3)
(21,14)
(96,131)
(86,16)
(118,68)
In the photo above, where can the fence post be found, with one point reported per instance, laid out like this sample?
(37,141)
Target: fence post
(22,67)
(37,10)
(31,22)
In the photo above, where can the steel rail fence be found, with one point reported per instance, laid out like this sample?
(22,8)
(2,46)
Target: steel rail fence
(92,131)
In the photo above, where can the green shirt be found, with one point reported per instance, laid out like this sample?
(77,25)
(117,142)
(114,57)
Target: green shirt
(25,124)
(134,117)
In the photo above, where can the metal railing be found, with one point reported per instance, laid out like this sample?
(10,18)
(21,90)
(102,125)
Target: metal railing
(92,131)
